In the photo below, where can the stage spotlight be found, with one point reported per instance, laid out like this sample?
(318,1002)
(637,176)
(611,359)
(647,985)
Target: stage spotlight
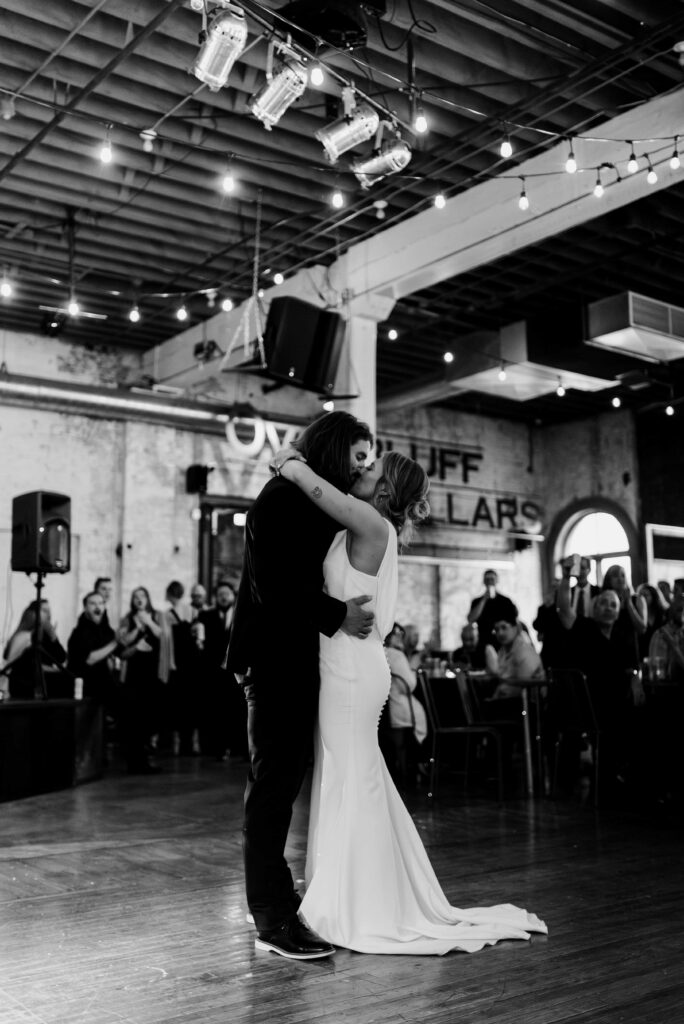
(224,42)
(285,87)
(394,156)
(349,131)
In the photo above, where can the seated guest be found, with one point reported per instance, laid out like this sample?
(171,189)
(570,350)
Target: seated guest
(666,650)
(604,648)
(469,655)
(407,718)
(515,658)
(24,664)
(90,647)
(414,652)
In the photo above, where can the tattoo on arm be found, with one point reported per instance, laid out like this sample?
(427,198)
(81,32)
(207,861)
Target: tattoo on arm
(317,493)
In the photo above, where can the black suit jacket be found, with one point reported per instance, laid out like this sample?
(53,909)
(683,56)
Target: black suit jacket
(281,606)
(216,637)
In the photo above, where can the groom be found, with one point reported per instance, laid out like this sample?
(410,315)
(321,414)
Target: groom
(273,652)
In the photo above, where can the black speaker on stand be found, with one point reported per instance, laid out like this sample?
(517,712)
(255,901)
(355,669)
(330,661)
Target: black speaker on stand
(41,543)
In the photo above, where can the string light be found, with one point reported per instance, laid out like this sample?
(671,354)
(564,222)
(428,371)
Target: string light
(392,334)
(182,313)
(439,201)
(106,153)
(420,122)
(571,163)
(448,357)
(632,163)
(148,136)
(506,149)
(598,187)
(6,287)
(317,77)
(227,305)
(502,373)
(337,199)
(616,402)
(675,162)
(560,390)
(523,201)
(651,177)
(73,309)
(134,314)
(669,410)
(329,405)
(228,183)
(278,278)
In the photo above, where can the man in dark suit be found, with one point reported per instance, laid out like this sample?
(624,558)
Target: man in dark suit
(223,714)
(273,653)
(583,593)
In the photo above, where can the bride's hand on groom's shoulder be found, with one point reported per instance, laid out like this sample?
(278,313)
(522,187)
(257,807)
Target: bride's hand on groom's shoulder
(283,456)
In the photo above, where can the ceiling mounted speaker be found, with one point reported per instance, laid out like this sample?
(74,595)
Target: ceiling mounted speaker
(341,25)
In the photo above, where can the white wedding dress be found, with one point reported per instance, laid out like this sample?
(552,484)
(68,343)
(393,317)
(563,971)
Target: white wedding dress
(370,885)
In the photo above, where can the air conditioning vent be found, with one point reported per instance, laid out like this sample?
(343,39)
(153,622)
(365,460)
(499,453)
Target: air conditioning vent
(637,326)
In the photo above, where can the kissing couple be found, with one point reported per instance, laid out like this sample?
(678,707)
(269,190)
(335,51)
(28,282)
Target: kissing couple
(316,599)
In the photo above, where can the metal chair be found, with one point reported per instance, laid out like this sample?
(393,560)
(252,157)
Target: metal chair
(450,712)
(571,714)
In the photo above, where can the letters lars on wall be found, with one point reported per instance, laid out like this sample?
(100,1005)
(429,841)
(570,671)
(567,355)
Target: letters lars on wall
(457,497)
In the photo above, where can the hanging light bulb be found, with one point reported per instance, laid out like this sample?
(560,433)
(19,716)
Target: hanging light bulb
(228,183)
(134,314)
(181,312)
(317,76)
(598,187)
(571,163)
(269,105)
(337,199)
(651,177)
(392,334)
(394,156)
(439,201)
(7,108)
(506,149)
(349,131)
(560,390)
(6,287)
(278,278)
(106,153)
(523,201)
(669,410)
(448,357)
(197,5)
(329,405)
(502,373)
(632,163)
(223,43)
(616,402)
(380,208)
(675,162)
(73,309)
(148,136)
(420,122)
(227,305)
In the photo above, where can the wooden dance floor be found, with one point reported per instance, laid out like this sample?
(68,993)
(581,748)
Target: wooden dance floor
(121,902)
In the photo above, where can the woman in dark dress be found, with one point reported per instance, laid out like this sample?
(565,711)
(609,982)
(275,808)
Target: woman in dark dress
(140,634)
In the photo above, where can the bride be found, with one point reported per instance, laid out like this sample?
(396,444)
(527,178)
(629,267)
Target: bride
(370,884)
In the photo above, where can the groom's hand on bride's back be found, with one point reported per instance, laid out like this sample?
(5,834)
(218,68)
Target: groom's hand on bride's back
(358,620)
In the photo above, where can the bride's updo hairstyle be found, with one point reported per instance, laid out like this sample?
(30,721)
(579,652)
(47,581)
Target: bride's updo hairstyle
(401,494)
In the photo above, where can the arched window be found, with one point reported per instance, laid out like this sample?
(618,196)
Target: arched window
(600,537)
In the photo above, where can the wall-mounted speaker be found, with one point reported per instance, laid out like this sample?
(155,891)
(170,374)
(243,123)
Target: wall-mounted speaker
(41,532)
(196,478)
(303,343)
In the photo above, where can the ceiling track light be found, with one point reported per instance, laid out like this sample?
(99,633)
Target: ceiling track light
(221,45)
(349,131)
(523,201)
(506,149)
(651,177)
(269,105)
(571,162)
(632,163)
(394,156)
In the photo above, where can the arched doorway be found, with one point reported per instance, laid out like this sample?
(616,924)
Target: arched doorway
(600,530)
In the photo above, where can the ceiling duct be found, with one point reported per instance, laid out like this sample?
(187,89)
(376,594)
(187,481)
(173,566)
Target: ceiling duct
(637,326)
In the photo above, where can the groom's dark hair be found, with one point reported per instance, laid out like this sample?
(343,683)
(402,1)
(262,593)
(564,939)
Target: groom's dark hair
(326,442)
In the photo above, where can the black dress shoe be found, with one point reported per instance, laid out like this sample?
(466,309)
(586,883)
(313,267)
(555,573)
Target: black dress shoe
(294,941)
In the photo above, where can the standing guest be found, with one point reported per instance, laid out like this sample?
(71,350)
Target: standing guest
(632,617)
(24,664)
(407,718)
(552,636)
(655,616)
(281,611)
(470,655)
(198,600)
(223,714)
(140,635)
(489,608)
(583,593)
(103,587)
(90,647)
(180,695)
